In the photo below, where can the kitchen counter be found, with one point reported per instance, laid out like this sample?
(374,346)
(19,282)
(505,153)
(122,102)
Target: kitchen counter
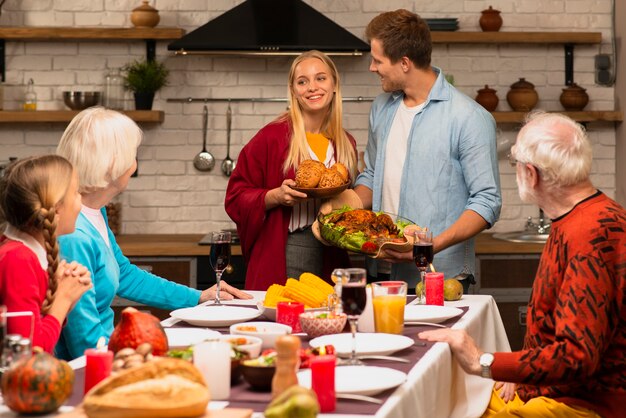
(186,245)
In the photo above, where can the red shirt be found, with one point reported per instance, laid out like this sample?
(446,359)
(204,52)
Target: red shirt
(23,287)
(575,345)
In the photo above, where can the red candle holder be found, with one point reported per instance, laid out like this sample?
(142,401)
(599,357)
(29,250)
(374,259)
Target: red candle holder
(323,381)
(434,288)
(98,366)
(288,313)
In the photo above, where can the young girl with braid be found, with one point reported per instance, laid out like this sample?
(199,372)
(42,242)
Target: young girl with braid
(39,200)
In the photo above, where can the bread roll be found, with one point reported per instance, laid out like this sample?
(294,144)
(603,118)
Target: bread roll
(309,173)
(331,178)
(161,388)
(342,170)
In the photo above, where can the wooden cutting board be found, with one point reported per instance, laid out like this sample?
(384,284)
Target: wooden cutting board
(78,412)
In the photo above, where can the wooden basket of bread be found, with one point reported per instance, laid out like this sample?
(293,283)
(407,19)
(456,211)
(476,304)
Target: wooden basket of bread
(314,179)
(363,231)
(161,388)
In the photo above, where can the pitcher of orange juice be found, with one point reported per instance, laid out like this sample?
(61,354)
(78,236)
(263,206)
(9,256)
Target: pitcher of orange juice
(389,299)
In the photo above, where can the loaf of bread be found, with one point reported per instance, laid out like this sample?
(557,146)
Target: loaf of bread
(309,173)
(161,388)
(342,170)
(330,178)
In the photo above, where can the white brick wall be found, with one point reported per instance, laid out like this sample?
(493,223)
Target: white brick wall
(170,196)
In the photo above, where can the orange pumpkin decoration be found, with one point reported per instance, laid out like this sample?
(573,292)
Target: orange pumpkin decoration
(38,384)
(136,328)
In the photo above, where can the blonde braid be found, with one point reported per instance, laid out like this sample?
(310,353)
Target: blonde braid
(49,220)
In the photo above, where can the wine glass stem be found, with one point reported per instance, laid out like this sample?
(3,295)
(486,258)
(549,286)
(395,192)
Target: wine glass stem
(422,297)
(218,279)
(353,323)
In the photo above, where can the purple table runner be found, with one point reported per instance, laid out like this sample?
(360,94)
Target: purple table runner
(242,396)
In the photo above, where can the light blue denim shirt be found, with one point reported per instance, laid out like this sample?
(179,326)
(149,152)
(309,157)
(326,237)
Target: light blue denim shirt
(451,165)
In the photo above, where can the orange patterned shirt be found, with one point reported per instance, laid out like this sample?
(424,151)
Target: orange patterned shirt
(575,345)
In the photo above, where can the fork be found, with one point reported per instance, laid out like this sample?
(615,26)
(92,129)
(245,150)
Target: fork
(355,397)
(428,324)
(389,358)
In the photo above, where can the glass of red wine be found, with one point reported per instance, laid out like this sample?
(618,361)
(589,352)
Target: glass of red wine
(353,301)
(220,258)
(422,256)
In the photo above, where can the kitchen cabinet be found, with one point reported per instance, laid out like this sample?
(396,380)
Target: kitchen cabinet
(61,34)
(181,270)
(509,279)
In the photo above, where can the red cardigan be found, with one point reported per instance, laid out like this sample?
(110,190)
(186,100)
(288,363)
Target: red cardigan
(263,233)
(23,286)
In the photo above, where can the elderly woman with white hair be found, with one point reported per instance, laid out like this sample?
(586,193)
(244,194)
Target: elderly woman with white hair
(102,145)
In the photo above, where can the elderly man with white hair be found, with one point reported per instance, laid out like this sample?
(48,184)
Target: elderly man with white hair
(573,363)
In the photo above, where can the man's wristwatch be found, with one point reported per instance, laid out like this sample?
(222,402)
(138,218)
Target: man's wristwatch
(485,360)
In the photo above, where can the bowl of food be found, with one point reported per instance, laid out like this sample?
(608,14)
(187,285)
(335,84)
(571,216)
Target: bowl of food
(248,344)
(316,324)
(79,100)
(259,372)
(266,331)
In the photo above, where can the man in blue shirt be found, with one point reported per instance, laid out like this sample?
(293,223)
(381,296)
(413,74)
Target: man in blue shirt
(431,152)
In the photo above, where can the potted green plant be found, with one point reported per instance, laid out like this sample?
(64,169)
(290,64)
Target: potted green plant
(144,78)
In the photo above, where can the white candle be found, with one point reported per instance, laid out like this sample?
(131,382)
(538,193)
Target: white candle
(212,358)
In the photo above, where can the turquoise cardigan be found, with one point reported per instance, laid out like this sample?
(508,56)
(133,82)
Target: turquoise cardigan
(112,275)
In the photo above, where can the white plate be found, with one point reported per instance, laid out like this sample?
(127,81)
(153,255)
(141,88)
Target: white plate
(361,380)
(257,295)
(366,343)
(184,337)
(429,313)
(270,313)
(215,316)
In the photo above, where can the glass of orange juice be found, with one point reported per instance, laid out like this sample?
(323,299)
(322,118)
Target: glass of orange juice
(389,299)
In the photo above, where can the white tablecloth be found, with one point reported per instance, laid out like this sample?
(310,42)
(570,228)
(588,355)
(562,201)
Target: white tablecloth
(437,386)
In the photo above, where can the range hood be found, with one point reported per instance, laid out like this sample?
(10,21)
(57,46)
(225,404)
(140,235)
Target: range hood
(269,27)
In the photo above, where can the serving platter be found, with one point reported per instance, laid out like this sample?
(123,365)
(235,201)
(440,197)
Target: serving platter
(359,380)
(366,343)
(215,316)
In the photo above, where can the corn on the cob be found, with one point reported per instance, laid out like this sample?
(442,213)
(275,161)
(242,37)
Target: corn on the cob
(305,294)
(316,282)
(274,302)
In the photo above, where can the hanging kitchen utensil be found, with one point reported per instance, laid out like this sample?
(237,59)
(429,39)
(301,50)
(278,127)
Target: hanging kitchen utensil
(228,165)
(204,161)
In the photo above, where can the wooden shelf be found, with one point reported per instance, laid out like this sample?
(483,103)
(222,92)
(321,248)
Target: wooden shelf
(516,37)
(78,33)
(64,116)
(583,116)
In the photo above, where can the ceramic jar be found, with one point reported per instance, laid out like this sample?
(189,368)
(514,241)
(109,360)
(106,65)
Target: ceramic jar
(490,20)
(145,16)
(487,98)
(574,97)
(522,96)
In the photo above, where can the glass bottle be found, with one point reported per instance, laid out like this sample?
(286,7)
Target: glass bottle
(30,98)
(114,90)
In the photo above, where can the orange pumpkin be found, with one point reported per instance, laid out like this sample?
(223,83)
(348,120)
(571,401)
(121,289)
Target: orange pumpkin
(38,384)
(136,328)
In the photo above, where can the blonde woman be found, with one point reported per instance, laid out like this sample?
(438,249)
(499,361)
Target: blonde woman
(273,219)
(39,200)
(102,144)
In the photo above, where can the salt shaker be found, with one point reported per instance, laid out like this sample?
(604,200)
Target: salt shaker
(287,363)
